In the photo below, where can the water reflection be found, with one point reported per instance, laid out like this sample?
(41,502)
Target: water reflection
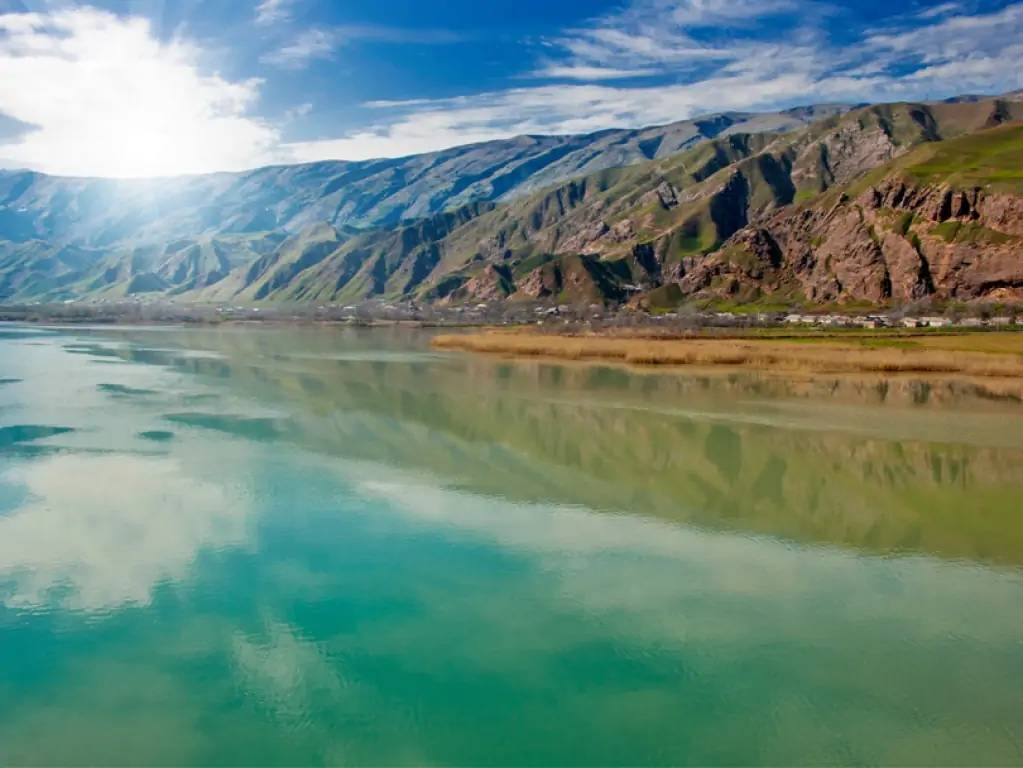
(287,674)
(881,465)
(17,435)
(284,546)
(98,532)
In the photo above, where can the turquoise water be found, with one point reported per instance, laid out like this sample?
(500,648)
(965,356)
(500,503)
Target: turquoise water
(307,546)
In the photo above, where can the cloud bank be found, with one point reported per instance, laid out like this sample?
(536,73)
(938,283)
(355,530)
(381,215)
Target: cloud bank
(937,53)
(99,94)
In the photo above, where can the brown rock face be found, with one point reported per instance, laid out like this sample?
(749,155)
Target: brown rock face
(541,282)
(1002,212)
(971,241)
(909,272)
(667,195)
(493,283)
(898,241)
(850,151)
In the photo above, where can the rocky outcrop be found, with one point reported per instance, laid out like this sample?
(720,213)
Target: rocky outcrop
(667,195)
(575,279)
(494,283)
(898,241)
(1002,212)
(541,283)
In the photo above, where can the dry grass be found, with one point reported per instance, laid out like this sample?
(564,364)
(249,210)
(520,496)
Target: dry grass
(827,356)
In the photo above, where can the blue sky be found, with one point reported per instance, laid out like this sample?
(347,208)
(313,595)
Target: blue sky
(155,87)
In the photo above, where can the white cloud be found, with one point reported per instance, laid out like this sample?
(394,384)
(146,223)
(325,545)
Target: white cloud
(541,110)
(120,102)
(955,36)
(706,13)
(590,73)
(313,43)
(546,109)
(939,56)
(273,11)
(943,9)
(654,35)
(322,42)
(298,111)
(105,97)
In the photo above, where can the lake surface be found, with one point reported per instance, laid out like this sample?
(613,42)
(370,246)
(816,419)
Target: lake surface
(305,546)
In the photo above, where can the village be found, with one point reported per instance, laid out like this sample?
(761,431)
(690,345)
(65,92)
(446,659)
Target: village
(593,315)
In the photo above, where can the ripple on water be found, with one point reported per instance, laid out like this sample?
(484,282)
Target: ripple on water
(251,427)
(92,350)
(24,433)
(20,438)
(17,334)
(122,390)
(157,435)
(194,398)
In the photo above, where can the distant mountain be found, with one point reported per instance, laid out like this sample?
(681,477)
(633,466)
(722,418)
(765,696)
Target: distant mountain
(366,194)
(691,225)
(729,208)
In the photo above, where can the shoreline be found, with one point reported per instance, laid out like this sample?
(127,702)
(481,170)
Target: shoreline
(998,355)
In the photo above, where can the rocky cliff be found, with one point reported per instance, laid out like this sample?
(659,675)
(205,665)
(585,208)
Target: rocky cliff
(946,221)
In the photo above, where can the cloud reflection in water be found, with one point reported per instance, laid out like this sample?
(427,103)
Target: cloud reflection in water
(99,532)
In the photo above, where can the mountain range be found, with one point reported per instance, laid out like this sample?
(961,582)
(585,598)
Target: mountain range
(874,204)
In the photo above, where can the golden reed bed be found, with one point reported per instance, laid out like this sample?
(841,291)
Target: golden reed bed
(830,355)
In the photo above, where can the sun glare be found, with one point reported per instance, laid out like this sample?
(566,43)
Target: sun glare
(120,102)
(138,148)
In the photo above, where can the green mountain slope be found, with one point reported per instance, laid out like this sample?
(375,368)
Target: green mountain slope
(622,232)
(739,217)
(364,194)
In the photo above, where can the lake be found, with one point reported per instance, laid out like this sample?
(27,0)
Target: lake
(295,546)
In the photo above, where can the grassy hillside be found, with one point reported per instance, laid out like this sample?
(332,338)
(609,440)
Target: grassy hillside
(365,194)
(600,236)
(992,158)
(687,206)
